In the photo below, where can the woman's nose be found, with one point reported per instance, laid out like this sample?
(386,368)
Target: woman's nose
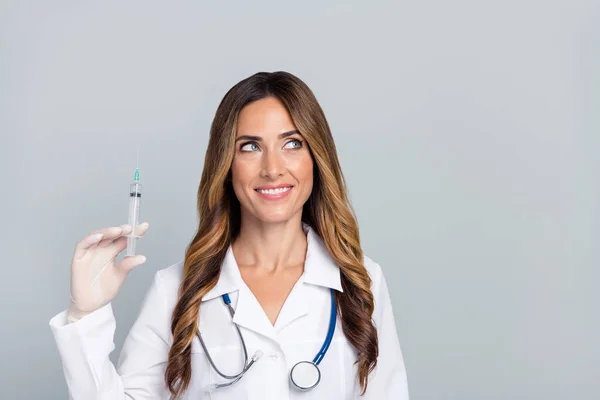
(272,165)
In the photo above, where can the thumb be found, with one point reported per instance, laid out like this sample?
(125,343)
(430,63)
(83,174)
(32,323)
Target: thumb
(130,262)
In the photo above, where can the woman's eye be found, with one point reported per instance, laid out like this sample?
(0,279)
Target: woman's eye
(251,146)
(293,144)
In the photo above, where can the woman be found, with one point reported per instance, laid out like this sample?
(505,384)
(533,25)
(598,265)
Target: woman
(278,240)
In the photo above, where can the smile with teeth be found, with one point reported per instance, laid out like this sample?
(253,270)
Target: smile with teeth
(274,191)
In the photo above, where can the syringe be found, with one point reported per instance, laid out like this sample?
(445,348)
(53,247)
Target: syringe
(135,195)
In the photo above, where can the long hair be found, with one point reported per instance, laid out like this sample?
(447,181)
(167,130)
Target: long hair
(327,211)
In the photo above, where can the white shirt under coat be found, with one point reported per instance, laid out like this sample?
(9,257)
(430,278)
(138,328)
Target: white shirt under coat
(297,335)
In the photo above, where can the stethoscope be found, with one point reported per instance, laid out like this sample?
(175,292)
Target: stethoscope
(305,375)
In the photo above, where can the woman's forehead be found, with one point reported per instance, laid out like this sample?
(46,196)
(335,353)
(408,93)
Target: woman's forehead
(264,117)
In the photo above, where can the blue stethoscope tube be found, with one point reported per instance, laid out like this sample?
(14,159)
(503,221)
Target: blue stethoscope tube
(305,375)
(330,331)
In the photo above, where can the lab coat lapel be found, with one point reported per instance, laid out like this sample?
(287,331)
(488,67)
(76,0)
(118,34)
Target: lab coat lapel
(248,312)
(229,279)
(319,269)
(250,315)
(295,306)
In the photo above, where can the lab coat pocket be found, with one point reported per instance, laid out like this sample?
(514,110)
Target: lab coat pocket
(229,361)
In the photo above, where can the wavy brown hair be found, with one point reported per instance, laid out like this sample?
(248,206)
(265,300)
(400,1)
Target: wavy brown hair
(327,211)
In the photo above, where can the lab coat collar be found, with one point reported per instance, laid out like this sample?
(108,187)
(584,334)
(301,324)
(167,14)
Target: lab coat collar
(319,268)
(230,279)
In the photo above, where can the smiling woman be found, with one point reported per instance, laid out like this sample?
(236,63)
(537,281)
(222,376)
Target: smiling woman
(275,270)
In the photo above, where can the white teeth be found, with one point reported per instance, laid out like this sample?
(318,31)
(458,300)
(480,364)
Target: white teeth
(274,191)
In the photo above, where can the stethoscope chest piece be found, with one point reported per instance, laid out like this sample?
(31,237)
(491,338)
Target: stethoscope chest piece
(305,375)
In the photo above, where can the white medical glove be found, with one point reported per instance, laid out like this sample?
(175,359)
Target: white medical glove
(95,279)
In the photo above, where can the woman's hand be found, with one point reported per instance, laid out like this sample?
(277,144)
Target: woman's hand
(95,279)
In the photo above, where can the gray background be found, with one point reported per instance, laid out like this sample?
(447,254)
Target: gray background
(467,130)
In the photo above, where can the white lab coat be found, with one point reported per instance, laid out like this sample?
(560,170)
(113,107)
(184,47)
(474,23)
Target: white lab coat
(297,335)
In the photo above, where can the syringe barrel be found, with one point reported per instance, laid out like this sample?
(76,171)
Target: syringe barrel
(135,195)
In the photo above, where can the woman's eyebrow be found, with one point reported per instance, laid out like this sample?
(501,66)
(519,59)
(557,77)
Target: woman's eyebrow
(258,138)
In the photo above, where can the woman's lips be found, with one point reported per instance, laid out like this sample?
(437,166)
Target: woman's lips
(274,194)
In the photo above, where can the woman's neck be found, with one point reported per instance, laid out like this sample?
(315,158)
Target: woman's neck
(270,246)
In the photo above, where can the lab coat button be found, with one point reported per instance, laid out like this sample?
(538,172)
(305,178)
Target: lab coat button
(274,356)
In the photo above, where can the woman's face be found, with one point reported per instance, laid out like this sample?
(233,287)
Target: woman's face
(272,171)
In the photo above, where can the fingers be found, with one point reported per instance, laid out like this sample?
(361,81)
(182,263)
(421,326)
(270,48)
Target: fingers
(120,243)
(141,229)
(83,245)
(107,236)
(130,262)
(139,232)
(112,232)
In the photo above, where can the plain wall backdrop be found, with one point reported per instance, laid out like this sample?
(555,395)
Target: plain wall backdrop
(467,131)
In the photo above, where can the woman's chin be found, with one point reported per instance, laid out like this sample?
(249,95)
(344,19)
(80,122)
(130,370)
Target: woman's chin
(275,217)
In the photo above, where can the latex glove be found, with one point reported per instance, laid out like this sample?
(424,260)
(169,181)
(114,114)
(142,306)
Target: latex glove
(95,279)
